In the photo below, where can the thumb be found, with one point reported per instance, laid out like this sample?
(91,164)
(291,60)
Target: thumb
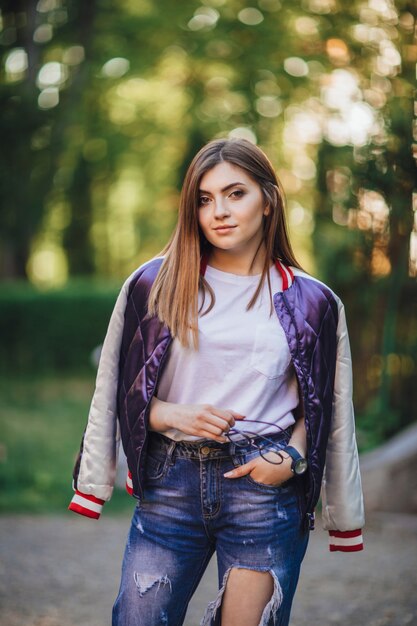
(243,470)
(238,416)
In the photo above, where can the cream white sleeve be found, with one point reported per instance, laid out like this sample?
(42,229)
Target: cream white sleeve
(97,470)
(341,487)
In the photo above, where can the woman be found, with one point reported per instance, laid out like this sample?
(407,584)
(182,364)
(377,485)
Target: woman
(228,369)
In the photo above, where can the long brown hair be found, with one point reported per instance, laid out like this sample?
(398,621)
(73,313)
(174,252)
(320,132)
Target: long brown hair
(174,294)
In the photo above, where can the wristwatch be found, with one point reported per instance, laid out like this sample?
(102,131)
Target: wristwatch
(299,463)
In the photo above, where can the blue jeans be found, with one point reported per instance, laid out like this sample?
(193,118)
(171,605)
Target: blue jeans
(190,510)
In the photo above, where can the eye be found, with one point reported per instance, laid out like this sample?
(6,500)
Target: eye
(237,193)
(203,200)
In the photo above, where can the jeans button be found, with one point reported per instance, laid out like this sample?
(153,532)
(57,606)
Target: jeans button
(205,450)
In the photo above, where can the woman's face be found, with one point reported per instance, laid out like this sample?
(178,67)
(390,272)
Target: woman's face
(231,209)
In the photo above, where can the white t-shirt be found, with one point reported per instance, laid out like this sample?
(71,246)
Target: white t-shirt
(243,362)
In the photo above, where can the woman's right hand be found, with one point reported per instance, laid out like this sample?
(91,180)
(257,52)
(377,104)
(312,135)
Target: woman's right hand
(201,420)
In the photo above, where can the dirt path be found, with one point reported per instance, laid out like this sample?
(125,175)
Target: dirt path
(64,571)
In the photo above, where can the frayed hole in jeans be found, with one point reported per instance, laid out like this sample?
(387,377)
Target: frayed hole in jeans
(212,614)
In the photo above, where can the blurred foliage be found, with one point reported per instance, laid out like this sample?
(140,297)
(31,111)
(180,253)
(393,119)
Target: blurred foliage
(37,454)
(53,331)
(104,103)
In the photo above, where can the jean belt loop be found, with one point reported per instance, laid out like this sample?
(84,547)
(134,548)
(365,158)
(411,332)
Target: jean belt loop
(170,452)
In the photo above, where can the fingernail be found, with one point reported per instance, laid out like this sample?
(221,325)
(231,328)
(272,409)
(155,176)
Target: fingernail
(229,474)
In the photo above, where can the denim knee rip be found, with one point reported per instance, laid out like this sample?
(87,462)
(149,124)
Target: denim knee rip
(269,611)
(144,582)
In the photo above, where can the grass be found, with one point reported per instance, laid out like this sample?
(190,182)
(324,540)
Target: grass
(42,420)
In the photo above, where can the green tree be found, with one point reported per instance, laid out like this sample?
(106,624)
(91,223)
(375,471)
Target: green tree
(104,104)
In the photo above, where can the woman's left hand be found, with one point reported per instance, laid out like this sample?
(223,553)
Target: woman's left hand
(263,472)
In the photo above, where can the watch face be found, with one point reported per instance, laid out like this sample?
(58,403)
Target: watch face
(300,466)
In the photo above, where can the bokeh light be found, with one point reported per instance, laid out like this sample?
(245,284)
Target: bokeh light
(250,16)
(16,64)
(115,68)
(48,266)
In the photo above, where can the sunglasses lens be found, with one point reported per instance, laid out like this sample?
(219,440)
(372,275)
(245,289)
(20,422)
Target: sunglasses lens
(279,458)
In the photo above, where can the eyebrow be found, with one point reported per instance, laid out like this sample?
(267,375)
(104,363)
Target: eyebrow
(224,188)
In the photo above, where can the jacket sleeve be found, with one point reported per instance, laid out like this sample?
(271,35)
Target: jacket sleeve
(95,469)
(343,511)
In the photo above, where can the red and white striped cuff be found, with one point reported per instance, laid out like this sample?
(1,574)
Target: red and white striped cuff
(86,504)
(345,541)
(129,483)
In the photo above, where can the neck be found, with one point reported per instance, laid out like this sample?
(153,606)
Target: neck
(233,262)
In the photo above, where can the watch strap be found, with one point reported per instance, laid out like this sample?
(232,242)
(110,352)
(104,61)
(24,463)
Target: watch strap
(293,453)
(299,463)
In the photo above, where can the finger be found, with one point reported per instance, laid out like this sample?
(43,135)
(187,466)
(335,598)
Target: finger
(208,435)
(221,439)
(228,416)
(214,425)
(238,472)
(238,416)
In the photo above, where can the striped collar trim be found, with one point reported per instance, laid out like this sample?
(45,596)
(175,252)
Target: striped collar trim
(285,271)
(287,274)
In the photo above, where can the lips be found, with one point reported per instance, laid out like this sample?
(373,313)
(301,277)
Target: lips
(224,228)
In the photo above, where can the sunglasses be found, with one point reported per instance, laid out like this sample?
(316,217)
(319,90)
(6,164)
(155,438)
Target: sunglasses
(262,443)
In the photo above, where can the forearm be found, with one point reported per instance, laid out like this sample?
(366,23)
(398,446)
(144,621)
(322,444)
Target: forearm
(298,438)
(160,415)
(298,441)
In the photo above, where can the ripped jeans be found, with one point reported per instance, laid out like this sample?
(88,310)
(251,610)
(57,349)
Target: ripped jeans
(190,510)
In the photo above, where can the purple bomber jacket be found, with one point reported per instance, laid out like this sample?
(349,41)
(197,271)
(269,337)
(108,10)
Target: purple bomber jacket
(134,351)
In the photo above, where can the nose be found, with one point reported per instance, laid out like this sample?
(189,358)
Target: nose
(221,209)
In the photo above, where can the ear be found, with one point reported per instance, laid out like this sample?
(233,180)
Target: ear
(267,209)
